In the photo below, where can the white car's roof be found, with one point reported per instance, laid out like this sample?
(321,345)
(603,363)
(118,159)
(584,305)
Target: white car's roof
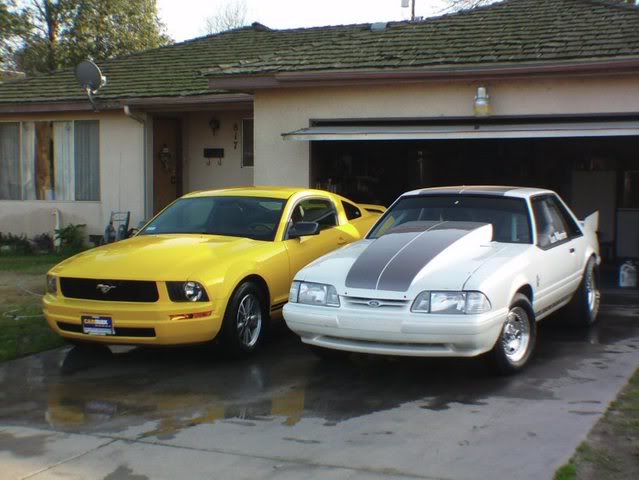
(506,191)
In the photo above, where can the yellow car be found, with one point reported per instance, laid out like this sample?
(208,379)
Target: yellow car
(212,265)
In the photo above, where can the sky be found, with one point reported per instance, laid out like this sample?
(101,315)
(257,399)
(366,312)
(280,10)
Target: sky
(185,19)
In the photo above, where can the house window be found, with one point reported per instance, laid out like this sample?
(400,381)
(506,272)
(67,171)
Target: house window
(9,161)
(48,160)
(247,142)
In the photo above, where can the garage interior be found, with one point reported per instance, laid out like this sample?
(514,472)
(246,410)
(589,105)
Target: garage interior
(590,173)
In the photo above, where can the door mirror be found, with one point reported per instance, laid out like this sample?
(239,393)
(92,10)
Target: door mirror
(303,229)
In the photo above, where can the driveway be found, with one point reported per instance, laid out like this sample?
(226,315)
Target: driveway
(186,413)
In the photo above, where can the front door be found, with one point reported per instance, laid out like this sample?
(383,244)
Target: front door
(167,161)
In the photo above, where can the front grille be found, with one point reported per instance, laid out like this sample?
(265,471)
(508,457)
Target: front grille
(122,291)
(119,331)
(375,303)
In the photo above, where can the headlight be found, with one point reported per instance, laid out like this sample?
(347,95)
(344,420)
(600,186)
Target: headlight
(314,294)
(471,303)
(186,292)
(52,284)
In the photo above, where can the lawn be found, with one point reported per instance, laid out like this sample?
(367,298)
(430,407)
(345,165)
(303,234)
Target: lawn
(29,264)
(23,329)
(611,450)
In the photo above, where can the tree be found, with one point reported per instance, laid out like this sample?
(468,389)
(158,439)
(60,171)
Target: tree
(231,15)
(109,29)
(12,24)
(61,33)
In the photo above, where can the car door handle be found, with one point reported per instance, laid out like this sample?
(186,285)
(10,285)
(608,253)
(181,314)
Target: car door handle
(341,241)
(572,250)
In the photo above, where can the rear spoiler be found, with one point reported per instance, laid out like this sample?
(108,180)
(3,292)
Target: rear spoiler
(591,222)
(372,208)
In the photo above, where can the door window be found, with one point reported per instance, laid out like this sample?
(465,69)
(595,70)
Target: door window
(318,210)
(554,225)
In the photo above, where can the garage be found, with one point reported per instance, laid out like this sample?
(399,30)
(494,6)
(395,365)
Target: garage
(591,163)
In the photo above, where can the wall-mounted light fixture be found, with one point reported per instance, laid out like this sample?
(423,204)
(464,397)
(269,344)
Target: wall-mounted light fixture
(482,103)
(214,125)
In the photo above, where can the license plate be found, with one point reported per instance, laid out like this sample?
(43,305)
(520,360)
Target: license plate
(94,325)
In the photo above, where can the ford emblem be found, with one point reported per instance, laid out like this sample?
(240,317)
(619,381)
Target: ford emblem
(105,288)
(374,303)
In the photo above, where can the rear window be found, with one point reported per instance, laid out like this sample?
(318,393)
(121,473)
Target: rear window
(508,216)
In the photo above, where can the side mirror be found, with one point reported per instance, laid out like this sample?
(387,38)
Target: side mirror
(303,229)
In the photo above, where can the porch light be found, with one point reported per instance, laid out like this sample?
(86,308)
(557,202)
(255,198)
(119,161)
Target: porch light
(482,103)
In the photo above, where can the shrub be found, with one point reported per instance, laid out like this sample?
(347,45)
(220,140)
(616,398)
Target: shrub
(72,238)
(43,243)
(15,244)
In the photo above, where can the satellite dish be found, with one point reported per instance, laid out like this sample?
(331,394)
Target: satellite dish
(90,78)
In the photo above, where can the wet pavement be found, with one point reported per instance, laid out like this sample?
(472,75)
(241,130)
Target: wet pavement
(168,413)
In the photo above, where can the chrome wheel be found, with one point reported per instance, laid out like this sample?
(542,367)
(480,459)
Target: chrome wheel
(249,320)
(515,336)
(592,293)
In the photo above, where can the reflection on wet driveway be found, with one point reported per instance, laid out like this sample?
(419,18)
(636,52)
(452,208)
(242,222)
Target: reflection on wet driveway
(285,404)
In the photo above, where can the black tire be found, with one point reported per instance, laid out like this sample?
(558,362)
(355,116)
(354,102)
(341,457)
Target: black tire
(329,354)
(245,320)
(517,339)
(584,305)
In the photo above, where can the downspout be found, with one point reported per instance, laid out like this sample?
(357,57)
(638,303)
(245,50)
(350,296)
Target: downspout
(142,121)
(57,241)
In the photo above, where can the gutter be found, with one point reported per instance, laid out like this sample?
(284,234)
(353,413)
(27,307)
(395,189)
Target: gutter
(448,72)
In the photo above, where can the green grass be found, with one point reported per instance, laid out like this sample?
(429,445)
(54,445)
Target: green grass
(23,331)
(32,264)
(566,472)
(611,450)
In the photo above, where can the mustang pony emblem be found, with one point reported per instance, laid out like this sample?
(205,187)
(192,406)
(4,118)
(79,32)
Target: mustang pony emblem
(105,288)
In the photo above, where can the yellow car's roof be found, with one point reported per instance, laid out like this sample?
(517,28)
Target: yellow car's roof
(266,192)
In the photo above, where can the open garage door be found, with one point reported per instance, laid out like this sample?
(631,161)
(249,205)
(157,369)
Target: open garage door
(591,164)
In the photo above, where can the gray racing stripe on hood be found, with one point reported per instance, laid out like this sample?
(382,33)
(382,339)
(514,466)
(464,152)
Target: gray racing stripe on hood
(392,261)
(371,263)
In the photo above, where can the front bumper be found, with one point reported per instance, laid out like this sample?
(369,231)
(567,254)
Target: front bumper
(397,332)
(135,323)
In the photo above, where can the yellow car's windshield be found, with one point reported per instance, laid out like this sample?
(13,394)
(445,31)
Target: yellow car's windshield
(250,217)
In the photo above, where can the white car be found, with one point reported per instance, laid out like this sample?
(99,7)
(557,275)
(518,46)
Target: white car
(452,272)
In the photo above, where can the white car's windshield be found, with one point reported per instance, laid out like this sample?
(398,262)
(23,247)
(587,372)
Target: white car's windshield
(250,217)
(509,216)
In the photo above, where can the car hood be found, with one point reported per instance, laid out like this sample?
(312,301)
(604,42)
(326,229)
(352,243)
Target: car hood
(154,257)
(398,265)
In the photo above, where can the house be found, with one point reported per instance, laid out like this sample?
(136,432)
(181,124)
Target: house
(525,92)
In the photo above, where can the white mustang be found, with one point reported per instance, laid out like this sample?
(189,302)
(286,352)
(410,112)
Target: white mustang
(454,271)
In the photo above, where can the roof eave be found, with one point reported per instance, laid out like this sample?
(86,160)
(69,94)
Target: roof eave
(251,82)
(146,103)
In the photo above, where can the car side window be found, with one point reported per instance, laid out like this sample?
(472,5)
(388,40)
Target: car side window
(552,230)
(572,228)
(352,212)
(318,210)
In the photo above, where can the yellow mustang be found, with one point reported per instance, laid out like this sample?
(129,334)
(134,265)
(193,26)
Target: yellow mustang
(215,264)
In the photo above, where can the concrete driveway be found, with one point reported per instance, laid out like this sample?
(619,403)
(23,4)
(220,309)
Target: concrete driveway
(186,413)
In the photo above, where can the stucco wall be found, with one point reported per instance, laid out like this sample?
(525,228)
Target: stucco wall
(121,180)
(204,174)
(282,162)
